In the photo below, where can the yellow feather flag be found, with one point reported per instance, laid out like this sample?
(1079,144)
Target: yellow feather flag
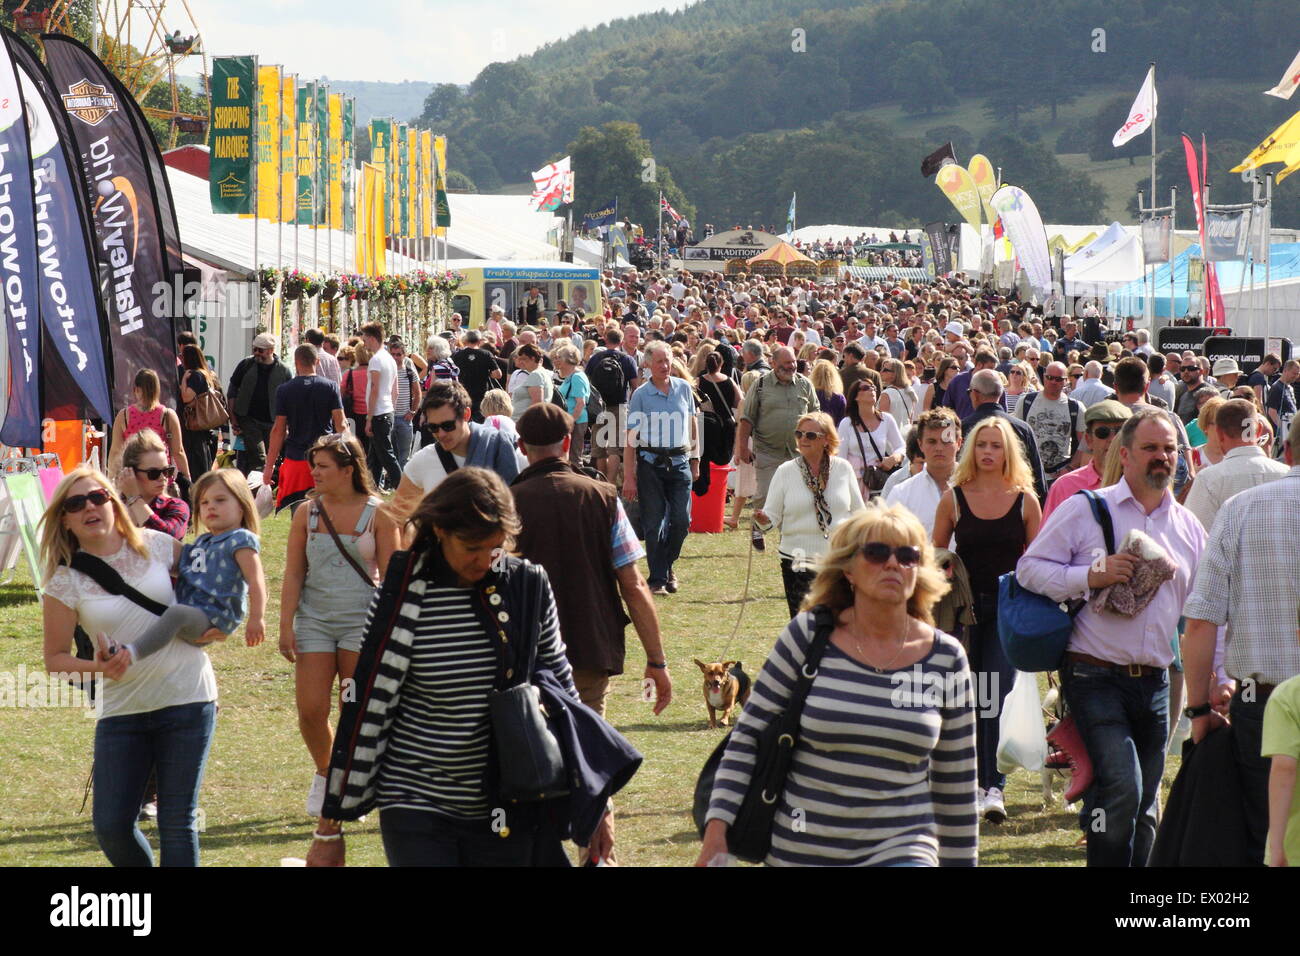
(268,143)
(288,141)
(959,187)
(440,173)
(986,182)
(426,182)
(371,221)
(335,158)
(1281,146)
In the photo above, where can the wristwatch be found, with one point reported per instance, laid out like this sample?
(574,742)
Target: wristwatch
(663,666)
(1200,710)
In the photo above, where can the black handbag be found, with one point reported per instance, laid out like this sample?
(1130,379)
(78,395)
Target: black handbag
(530,764)
(749,838)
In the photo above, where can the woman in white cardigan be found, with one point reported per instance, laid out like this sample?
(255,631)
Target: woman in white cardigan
(809,497)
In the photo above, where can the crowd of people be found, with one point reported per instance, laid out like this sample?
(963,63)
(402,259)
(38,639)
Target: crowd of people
(904,443)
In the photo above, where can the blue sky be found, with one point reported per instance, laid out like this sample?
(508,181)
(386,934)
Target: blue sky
(395,40)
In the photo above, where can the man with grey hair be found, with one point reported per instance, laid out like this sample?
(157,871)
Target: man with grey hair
(751,354)
(986,396)
(1090,391)
(772,409)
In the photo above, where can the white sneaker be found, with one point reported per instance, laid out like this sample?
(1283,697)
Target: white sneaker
(980,796)
(316,795)
(995,810)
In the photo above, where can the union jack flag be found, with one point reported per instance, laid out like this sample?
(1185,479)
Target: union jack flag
(667,207)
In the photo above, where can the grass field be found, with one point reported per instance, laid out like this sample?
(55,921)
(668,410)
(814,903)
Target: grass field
(258,772)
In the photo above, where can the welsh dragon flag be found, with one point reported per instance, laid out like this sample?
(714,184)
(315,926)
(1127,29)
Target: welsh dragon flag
(553,185)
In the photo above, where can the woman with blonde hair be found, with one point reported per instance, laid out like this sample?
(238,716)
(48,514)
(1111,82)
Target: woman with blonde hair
(167,706)
(994,514)
(143,484)
(147,412)
(1202,434)
(830,389)
(1021,380)
(884,775)
(809,497)
(898,398)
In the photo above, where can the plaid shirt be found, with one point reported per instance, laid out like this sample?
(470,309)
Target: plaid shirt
(170,516)
(1249,578)
(627,548)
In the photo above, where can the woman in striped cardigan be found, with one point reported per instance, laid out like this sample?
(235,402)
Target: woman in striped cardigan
(884,768)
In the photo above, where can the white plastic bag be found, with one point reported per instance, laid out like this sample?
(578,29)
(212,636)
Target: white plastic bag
(263,495)
(1022,738)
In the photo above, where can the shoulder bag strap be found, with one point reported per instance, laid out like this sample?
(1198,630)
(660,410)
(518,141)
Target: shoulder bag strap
(329,526)
(1101,512)
(448,461)
(824,624)
(874,447)
(107,578)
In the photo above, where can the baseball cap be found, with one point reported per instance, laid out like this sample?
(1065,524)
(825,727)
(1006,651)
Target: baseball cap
(544,424)
(1107,410)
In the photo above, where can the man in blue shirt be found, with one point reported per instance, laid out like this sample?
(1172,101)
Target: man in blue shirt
(662,463)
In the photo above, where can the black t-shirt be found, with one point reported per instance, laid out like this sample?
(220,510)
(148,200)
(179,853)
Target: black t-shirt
(308,403)
(476,366)
(1258,378)
(196,381)
(260,408)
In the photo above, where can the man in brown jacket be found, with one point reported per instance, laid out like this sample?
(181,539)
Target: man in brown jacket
(574,527)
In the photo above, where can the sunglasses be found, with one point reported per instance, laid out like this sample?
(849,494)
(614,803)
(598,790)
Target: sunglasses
(97,498)
(1054,378)
(1105,431)
(1076,375)
(811,436)
(448,426)
(153,474)
(878,553)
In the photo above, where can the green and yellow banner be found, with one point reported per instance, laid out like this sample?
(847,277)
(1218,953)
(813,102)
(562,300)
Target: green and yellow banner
(426,182)
(322,154)
(381,149)
(335,139)
(268,143)
(288,132)
(402,226)
(412,182)
(371,220)
(230,133)
(443,215)
(305,188)
(349,165)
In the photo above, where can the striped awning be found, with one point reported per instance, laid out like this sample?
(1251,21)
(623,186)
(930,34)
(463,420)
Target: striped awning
(876,273)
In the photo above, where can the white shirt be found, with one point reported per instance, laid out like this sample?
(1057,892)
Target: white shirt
(789,504)
(425,467)
(383,367)
(920,495)
(180,673)
(1241,468)
(873,342)
(886,435)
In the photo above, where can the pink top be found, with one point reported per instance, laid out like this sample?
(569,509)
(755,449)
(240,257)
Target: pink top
(1070,483)
(138,421)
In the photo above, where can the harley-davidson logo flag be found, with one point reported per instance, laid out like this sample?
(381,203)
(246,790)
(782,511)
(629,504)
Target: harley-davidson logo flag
(112,142)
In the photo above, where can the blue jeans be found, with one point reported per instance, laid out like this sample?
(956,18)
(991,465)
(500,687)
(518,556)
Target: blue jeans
(423,838)
(382,460)
(176,741)
(1124,722)
(402,436)
(665,493)
(993,677)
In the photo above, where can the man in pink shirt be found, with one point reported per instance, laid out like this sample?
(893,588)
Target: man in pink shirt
(1115,670)
(1103,422)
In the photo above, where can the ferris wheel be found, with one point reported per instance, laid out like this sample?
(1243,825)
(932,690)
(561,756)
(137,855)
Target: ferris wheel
(146,43)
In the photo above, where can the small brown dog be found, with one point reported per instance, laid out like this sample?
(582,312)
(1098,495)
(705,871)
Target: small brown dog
(725,685)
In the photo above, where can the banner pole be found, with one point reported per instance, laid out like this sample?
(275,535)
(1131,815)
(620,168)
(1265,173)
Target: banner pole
(1268,250)
(1173,229)
(256,155)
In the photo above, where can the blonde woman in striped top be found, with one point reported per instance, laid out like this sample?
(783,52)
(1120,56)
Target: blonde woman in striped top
(884,767)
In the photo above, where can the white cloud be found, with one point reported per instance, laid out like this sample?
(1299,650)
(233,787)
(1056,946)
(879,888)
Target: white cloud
(395,40)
